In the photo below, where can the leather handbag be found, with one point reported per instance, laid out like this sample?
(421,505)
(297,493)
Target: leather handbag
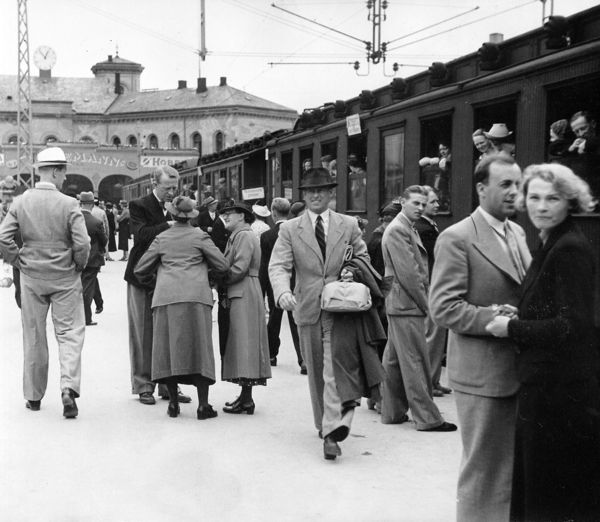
(345,296)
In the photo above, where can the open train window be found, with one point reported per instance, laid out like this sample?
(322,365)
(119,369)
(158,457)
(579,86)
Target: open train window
(328,160)
(287,168)
(573,111)
(392,143)
(436,157)
(306,160)
(357,173)
(234,181)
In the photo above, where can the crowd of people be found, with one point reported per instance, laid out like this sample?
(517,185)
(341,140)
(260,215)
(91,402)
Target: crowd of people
(522,347)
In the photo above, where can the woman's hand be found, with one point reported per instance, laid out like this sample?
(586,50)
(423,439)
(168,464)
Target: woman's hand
(508,310)
(498,326)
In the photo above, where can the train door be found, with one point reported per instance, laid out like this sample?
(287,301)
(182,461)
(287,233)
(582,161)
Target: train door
(392,164)
(287,170)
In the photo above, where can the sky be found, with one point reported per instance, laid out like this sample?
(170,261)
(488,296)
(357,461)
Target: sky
(252,43)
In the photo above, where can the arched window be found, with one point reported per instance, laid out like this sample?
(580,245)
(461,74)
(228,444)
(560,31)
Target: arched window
(219,141)
(12,140)
(86,139)
(152,141)
(174,141)
(132,140)
(51,139)
(197,142)
(116,141)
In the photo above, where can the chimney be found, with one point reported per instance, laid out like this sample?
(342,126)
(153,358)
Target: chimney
(496,38)
(118,83)
(110,57)
(223,81)
(201,85)
(181,84)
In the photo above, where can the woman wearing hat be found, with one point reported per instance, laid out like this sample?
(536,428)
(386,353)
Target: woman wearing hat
(260,225)
(123,226)
(182,350)
(246,358)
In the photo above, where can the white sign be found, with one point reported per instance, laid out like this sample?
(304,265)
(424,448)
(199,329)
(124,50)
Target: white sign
(161,161)
(287,193)
(253,193)
(353,124)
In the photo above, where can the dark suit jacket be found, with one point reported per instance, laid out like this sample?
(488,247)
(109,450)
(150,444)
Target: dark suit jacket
(267,242)
(98,239)
(146,222)
(555,330)
(218,232)
(428,234)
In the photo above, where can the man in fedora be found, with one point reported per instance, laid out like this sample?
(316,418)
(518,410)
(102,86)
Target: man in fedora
(499,136)
(55,249)
(209,221)
(148,218)
(316,245)
(98,240)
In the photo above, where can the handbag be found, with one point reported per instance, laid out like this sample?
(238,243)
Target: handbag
(345,296)
(6,279)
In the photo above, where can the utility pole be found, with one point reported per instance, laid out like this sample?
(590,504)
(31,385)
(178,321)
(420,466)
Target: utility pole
(202,51)
(24,139)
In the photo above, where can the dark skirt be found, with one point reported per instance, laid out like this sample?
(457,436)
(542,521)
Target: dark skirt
(124,235)
(182,343)
(557,453)
(112,244)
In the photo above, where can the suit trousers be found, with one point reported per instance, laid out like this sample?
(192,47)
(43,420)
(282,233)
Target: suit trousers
(315,343)
(98,299)
(274,327)
(65,297)
(89,280)
(487,428)
(139,315)
(408,382)
(436,345)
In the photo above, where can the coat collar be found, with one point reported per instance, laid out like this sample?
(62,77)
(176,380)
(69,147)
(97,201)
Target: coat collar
(407,224)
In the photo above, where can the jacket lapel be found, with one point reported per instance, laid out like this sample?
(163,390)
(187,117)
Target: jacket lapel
(334,234)
(489,246)
(307,235)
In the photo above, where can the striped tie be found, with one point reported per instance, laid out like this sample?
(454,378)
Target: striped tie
(320,234)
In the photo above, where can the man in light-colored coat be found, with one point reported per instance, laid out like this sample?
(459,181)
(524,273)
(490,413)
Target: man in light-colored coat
(55,249)
(316,264)
(480,262)
(406,359)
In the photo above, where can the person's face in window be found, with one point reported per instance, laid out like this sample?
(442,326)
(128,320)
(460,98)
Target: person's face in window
(444,150)
(582,128)
(481,143)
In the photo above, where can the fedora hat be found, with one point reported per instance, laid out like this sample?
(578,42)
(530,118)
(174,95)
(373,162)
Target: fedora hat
(51,156)
(86,197)
(498,131)
(261,210)
(209,201)
(182,206)
(317,178)
(238,206)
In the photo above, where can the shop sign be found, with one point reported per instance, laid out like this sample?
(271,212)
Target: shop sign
(162,161)
(353,124)
(253,193)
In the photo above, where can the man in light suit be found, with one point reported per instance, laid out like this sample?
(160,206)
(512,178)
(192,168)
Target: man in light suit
(480,262)
(316,245)
(55,249)
(406,359)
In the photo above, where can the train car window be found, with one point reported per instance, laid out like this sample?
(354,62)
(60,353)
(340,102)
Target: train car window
(498,122)
(436,158)
(274,175)
(357,174)
(328,160)
(392,143)
(306,160)
(234,181)
(287,168)
(222,189)
(572,129)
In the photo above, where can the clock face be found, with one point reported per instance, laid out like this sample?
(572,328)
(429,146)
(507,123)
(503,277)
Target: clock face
(44,58)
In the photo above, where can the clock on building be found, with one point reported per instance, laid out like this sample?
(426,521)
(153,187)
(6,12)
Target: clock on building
(44,57)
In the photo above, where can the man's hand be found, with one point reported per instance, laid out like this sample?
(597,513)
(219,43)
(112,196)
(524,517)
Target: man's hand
(287,301)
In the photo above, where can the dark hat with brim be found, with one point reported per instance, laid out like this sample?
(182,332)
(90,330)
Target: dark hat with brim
(182,206)
(208,201)
(317,178)
(86,197)
(239,207)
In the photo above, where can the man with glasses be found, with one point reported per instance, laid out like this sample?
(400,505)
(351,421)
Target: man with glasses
(148,218)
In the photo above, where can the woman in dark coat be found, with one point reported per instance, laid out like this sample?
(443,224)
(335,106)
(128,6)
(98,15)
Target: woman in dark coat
(246,359)
(182,349)
(112,226)
(124,233)
(557,445)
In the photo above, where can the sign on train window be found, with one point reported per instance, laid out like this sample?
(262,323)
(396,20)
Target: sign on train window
(435,161)
(393,165)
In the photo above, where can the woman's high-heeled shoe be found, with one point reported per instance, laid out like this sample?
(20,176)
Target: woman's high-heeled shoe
(206,412)
(241,407)
(173,409)
(233,402)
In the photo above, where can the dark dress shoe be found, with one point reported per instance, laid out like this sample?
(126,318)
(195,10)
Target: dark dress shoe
(91,323)
(331,450)
(173,409)
(303,369)
(339,434)
(33,405)
(147,398)
(70,410)
(443,389)
(445,426)
(273,361)
(100,309)
(183,399)
(437,392)
(240,407)
(206,412)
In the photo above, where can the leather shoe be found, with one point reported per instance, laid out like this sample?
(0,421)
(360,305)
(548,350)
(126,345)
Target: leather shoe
(240,407)
(331,449)
(100,309)
(206,412)
(33,405)
(303,369)
(183,399)
(147,398)
(91,323)
(173,409)
(339,434)
(445,426)
(70,410)
(443,389)
(437,392)
(273,361)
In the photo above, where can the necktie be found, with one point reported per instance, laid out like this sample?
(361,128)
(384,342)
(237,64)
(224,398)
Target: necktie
(320,235)
(513,250)
(162,205)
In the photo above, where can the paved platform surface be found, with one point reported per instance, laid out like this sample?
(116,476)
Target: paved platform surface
(127,462)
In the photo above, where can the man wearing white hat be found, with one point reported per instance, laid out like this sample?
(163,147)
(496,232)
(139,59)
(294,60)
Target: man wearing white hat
(55,249)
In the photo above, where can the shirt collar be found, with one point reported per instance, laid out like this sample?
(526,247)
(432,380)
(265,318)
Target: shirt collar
(493,222)
(45,185)
(313,217)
